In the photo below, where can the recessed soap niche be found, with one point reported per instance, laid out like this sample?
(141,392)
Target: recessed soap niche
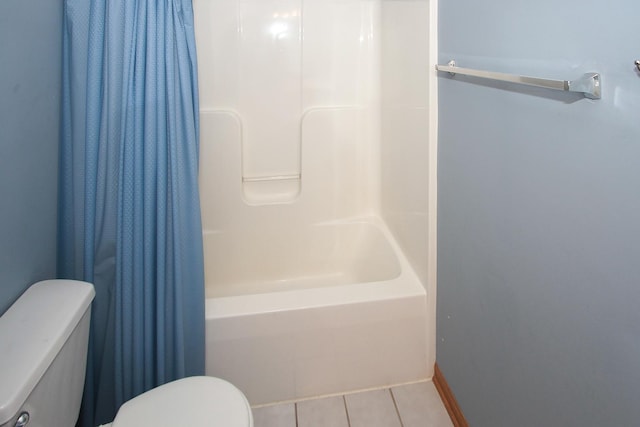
(262,181)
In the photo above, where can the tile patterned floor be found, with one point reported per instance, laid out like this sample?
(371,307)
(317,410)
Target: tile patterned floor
(413,405)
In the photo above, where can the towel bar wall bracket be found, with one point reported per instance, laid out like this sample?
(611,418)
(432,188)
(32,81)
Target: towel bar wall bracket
(588,84)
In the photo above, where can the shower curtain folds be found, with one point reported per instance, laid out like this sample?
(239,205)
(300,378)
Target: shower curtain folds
(129,213)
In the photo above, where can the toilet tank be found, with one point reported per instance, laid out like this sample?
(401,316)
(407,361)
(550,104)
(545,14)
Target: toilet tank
(43,353)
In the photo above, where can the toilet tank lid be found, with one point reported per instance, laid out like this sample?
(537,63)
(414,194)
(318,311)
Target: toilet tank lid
(32,332)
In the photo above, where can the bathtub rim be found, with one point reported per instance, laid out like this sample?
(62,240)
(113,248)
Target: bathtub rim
(406,284)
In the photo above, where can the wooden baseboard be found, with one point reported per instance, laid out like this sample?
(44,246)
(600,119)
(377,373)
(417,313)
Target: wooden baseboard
(449,400)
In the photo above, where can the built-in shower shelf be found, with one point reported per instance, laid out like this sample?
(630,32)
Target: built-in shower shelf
(271,178)
(271,189)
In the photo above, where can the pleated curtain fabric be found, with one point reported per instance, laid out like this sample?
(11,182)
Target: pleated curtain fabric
(129,209)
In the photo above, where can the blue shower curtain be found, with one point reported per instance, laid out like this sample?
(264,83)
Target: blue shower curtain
(129,218)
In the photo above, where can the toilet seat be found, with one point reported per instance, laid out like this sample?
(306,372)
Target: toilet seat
(193,401)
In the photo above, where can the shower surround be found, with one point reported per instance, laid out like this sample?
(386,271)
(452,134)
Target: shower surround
(314,274)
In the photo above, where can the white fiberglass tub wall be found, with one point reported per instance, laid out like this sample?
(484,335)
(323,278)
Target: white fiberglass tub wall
(308,293)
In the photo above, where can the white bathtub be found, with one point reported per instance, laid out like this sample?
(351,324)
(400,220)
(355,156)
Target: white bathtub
(309,311)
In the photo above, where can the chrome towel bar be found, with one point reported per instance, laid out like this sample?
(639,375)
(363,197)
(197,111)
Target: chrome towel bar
(588,84)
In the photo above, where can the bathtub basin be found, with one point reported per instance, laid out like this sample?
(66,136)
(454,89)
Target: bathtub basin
(312,311)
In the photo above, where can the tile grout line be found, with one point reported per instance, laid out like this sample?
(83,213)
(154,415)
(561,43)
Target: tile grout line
(395,405)
(339,394)
(346,410)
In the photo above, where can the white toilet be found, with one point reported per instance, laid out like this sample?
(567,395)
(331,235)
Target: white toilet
(43,352)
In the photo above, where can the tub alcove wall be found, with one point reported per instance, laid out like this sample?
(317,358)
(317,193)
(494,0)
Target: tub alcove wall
(317,189)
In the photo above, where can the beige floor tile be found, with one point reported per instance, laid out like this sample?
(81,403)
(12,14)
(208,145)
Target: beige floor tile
(283,415)
(327,412)
(372,409)
(420,405)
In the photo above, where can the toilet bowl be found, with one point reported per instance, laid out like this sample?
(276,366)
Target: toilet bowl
(43,353)
(193,401)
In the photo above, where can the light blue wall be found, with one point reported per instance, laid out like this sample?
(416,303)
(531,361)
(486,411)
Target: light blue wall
(30,66)
(539,215)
